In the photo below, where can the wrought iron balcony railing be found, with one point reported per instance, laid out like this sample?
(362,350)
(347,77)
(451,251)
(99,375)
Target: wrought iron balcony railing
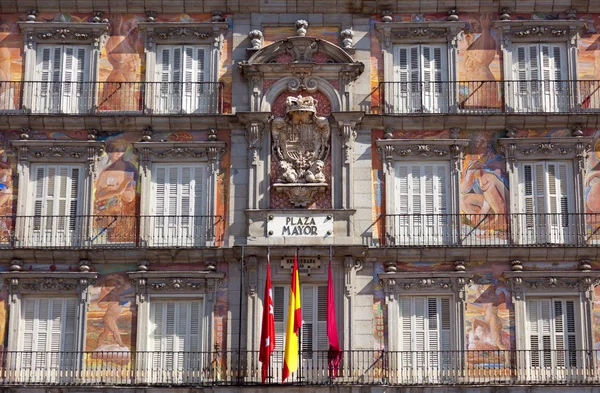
(241,368)
(110,98)
(488,97)
(104,231)
(489,230)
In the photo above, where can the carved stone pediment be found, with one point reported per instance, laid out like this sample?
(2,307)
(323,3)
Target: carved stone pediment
(209,33)
(534,30)
(210,151)
(550,281)
(416,32)
(60,151)
(395,284)
(176,282)
(64,32)
(564,148)
(415,149)
(49,283)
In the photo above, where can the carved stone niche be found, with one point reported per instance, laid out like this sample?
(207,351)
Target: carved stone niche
(300,144)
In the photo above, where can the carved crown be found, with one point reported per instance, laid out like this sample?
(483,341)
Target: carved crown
(301,104)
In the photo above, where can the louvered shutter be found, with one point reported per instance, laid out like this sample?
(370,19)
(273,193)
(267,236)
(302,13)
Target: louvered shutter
(309,320)
(175,334)
(56,207)
(280,303)
(432,71)
(49,326)
(180,204)
(322,342)
(44,75)
(552,333)
(426,331)
(169,69)
(74,70)
(190,72)
(526,65)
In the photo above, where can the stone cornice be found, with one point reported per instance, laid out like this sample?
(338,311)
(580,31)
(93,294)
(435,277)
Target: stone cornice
(416,32)
(539,30)
(410,282)
(175,282)
(64,32)
(208,33)
(552,281)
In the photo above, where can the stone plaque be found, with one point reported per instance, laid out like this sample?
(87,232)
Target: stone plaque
(305,265)
(300,225)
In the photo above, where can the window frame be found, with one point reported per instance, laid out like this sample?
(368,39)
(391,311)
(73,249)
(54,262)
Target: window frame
(54,152)
(183,285)
(61,33)
(451,285)
(199,34)
(563,285)
(573,150)
(449,151)
(429,32)
(207,153)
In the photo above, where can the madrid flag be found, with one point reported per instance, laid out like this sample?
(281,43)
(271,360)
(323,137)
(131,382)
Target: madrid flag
(294,323)
(267,337)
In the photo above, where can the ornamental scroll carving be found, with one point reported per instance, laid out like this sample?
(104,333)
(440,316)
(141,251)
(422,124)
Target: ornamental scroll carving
(301,148)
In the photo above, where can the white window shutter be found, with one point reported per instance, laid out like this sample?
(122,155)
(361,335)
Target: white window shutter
(160,178)
(280,303)
(309,319)
(190,73)
(322,343)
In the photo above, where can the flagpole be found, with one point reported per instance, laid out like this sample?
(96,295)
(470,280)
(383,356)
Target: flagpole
(239,347)
(299,330)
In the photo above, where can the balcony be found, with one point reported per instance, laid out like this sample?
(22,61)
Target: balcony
(97,231)
(111,98)
(491,230)
(233,368)
(490,97)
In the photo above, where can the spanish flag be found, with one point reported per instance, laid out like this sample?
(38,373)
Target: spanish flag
(294,323)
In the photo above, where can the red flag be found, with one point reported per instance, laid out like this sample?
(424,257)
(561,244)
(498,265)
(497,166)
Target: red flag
(334,357)
(267,337)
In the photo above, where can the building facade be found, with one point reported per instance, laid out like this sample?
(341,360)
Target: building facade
(441,156)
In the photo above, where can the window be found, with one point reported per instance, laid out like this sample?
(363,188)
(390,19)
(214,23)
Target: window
(420,72)
(61,84)
(178,189)
(48,337)
(61,65)
(540,72)
(313,338)
(183,72)
(179,207)
(553,310)
(552,329)
(422,196)
(546,202)
(175,340)
(421,188)
(55,183)
(426,334)
(546,182)
(56,219)
(425,323)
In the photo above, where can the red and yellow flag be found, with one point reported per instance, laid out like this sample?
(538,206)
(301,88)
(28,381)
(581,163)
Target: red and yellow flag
(294,323)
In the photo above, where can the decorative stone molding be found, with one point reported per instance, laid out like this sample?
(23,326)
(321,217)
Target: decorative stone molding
(386,16)
(347,123)
(210,151)
(31,15)
(60,151)
(147,283)
(190,33)
(536,30)
(553,284)
(255,37)
(254,125)
(430,149)
(563,148)
(452,15)
(300,144)
(347,36)
(300,73)
(412,32)
(301,26)
(505,14)
(64,32)
(48,283)
(396,283)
